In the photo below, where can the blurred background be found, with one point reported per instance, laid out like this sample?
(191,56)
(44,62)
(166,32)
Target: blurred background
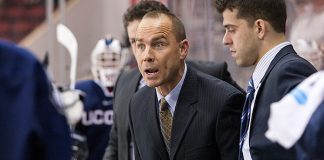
(32,24)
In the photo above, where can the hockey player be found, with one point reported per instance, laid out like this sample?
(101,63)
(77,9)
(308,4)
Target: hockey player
(31,123)
(107,61)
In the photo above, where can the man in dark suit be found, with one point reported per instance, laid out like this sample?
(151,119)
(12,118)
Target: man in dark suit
(120,143)
(255,35)
(32,127)
(181,113)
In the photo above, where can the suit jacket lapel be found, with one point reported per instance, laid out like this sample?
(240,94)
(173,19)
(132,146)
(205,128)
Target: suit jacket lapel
(152,124)
(134,84)
(184,111)
(131,87)
(283,52)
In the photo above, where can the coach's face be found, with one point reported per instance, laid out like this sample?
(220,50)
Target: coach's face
(131,31)
(160,57)
(241,38)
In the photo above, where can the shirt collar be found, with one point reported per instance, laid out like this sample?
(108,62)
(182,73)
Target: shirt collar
(173,96)
(264,63)
(141,84)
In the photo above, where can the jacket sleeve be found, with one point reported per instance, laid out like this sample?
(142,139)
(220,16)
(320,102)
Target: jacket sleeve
(111,152)
(228,126)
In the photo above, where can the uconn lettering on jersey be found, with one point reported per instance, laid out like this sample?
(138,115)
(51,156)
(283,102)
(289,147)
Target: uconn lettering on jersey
(97,117)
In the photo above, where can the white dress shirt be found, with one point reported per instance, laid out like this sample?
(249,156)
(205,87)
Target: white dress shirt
(172,97)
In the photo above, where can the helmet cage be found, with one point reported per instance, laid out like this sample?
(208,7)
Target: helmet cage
(107,61)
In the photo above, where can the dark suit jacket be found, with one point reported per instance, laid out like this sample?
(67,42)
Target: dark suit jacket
(216,69)
(205,123)
(118,146)
(285,71)
(120,137)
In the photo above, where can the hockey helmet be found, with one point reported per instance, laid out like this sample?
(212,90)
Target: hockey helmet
(107,61)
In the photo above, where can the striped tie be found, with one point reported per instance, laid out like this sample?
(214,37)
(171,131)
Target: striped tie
(166,122)
(245,118)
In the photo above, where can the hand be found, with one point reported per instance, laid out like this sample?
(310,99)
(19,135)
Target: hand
(72,105)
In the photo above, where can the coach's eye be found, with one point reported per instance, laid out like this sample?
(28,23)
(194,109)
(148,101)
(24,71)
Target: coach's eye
(140,46)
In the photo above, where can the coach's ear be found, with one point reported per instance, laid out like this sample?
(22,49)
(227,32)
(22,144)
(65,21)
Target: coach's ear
(183,49)
(260,28)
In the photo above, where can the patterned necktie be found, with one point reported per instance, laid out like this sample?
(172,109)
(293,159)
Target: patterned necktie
(245,118)
(166,122)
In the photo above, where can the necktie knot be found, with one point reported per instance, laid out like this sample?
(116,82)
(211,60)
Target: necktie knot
(163,104)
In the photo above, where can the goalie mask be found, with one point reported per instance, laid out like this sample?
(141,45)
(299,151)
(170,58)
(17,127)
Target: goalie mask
(107,61)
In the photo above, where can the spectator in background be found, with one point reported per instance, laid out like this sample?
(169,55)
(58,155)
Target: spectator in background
(309,43)
(107,61)
(32,126)
(255,35)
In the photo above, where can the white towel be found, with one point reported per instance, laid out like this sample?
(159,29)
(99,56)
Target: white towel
(290,116)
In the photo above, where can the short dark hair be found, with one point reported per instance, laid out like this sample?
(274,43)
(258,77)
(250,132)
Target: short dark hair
(273,11)
(177,25)
(136,12)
